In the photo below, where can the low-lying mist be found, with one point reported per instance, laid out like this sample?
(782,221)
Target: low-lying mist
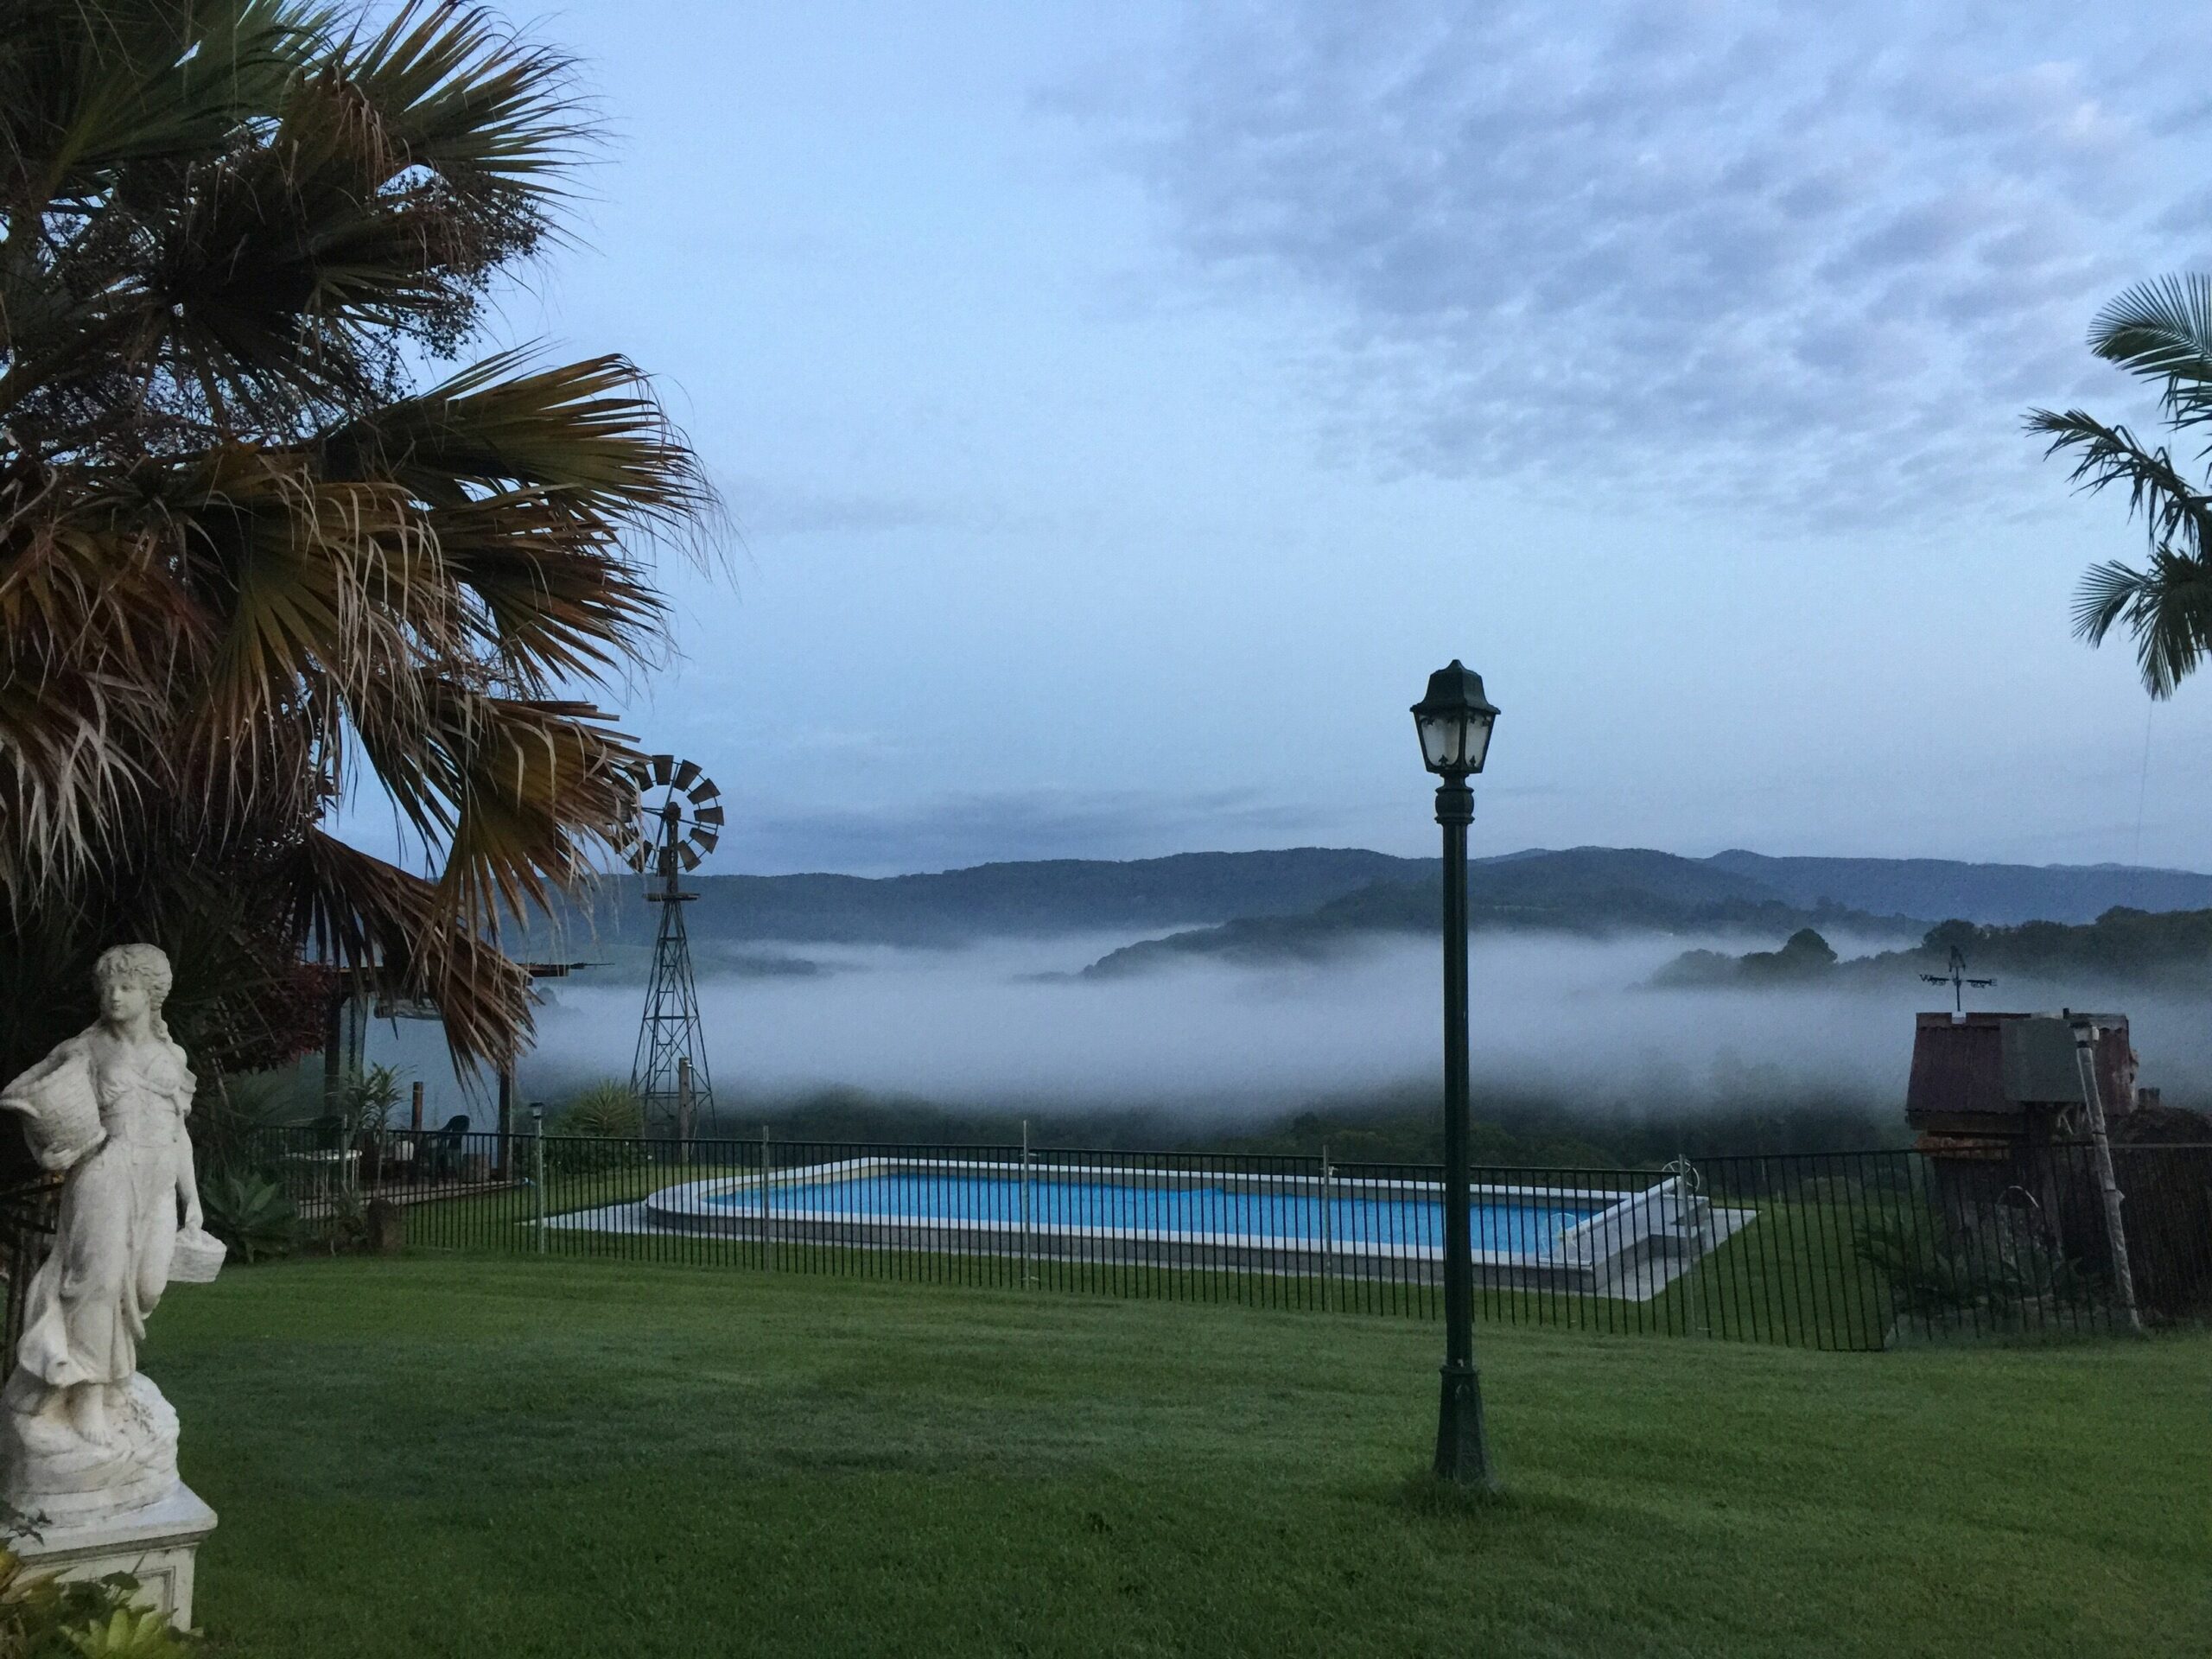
(1003,1027)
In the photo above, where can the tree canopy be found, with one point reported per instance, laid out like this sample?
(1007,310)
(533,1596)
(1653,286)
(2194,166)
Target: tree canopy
(2161,331)
(258,551)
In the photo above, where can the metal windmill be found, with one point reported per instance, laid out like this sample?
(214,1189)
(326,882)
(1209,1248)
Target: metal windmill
(679,820)
(1957,980)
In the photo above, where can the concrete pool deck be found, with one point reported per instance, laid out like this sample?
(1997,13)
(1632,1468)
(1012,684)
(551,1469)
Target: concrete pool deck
(1633,1246)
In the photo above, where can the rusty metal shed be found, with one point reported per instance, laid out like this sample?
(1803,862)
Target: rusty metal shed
(2011,1075)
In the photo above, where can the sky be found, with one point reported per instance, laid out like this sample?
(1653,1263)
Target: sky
(1121,410)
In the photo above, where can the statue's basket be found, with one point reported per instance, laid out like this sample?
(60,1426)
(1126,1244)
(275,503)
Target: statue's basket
(199,1258)
(61,1113)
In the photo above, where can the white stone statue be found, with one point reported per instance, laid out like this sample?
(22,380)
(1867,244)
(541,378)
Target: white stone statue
(87,1445)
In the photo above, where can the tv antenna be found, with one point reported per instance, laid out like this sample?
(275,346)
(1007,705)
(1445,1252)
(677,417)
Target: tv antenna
(1957,980)
(679,820)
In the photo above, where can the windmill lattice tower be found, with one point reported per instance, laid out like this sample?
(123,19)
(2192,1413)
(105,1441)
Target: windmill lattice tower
(681,816)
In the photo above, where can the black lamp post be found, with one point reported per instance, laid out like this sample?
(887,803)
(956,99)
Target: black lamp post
(1454,721)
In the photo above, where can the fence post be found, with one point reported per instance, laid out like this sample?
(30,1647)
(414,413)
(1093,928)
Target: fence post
(1328,1223)
(1027,1279)
(764,1195)
(537,1169)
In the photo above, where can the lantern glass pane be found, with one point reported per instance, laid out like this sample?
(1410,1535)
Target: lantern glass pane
(1441,737)
(1477,740)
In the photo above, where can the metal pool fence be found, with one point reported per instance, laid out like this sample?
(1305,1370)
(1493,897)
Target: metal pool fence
(1837,1250)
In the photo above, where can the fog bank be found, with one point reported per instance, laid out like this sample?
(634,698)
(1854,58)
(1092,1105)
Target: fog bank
(998,1027)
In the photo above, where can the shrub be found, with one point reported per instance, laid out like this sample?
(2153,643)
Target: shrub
(610,1110)
(43,1619)
(365,1107)
(599,1129)
(248,1212)
(1998,1268)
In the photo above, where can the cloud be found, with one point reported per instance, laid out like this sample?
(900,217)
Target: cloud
(952,831)
(1743,254)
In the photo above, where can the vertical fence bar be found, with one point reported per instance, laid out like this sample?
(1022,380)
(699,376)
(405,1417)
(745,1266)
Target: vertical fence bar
(537,1169)
(1327,1227)
(1026,1276)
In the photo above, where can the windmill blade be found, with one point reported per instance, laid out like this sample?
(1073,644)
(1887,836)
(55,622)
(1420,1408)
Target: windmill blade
(704,840)
(689,853)
(686,773)
(662,766)
(710,814)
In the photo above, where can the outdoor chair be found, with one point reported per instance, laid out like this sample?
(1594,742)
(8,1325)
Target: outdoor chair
(439,1157)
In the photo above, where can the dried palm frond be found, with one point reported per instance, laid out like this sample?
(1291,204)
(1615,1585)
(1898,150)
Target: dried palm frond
(245,564)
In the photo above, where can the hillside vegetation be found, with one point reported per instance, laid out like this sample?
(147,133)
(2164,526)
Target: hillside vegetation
(2169,951)
(1591,892)
(1303,901)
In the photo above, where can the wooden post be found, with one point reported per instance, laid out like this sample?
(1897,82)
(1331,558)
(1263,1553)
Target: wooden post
(2085,1062)
(506,1121)
(334,1048)
(415,1110)
(683,1107)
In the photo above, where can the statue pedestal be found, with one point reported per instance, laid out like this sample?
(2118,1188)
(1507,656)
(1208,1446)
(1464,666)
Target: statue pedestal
(155,1544)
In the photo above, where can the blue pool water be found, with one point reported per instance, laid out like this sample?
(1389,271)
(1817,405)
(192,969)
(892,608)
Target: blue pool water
(1526,1228)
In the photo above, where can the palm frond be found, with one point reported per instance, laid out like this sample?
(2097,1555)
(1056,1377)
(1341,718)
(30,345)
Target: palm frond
(461,95)
(2167,608)
(2173,509)
(362,915)
(2163,331)
(244,563)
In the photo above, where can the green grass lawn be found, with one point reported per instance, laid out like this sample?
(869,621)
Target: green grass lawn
(499,1458)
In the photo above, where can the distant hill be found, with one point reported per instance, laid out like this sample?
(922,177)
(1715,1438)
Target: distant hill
(1302,900)
(2167,950)
(1940,889)
(1592,891)
(1045,897)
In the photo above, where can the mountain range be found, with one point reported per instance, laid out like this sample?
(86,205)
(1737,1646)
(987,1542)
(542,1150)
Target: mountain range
(1303,901)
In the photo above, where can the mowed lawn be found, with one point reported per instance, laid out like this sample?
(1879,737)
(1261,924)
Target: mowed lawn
(504,1457)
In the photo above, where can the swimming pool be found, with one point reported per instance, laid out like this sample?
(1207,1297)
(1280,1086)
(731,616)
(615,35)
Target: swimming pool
(1524,1226)
(1625,1241)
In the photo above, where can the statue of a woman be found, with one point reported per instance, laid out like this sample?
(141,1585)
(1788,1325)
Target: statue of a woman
(107,1107)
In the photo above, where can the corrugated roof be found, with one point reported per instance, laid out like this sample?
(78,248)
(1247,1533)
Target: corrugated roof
(1991,1065)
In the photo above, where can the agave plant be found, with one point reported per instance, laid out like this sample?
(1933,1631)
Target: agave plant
(247,563)
(2161,331)
(249,1211)
(610,1109)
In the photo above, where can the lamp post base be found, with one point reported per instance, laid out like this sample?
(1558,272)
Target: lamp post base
(1462,1447)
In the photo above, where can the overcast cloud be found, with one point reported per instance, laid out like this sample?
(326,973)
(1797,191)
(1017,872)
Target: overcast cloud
(1812,260)
(1122,409)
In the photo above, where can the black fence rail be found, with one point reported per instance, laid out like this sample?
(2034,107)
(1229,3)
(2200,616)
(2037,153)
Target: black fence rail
(27,1213)
(1845,1250)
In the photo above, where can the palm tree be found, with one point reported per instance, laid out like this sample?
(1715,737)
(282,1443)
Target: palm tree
(2162,331)
(248,563)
